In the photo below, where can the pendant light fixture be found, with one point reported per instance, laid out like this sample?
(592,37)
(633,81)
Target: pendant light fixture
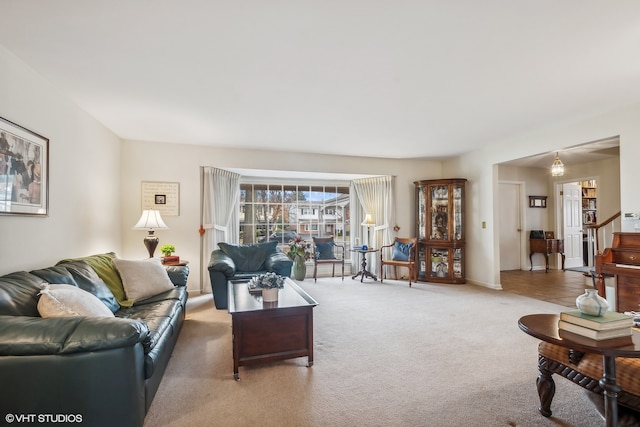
(557,168)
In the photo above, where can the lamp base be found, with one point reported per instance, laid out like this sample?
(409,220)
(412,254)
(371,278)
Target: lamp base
(151,243)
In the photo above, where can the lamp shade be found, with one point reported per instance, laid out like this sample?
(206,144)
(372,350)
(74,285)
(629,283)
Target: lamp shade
(368,221)
(150,220)
(557,168)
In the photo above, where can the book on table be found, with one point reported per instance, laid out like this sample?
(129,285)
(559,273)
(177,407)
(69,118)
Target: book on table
(609,320)
(609,343)
(593,333)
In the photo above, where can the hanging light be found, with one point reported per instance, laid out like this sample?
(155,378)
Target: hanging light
(557,168)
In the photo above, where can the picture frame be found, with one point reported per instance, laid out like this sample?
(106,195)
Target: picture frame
(161,196)
(537,201)
(24,171)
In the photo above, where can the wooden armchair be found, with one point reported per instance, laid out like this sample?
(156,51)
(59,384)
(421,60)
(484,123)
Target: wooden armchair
(401,253)
(324,252)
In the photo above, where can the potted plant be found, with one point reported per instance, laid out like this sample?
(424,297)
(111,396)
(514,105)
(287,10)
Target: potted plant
(167,249)
(269,283)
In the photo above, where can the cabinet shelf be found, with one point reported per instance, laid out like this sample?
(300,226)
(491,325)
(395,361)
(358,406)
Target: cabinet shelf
(440,230)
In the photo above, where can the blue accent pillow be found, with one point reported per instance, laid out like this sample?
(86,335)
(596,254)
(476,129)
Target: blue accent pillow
(401,251)
(325,251)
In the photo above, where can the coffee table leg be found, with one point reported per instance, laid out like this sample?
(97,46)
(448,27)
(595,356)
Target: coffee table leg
(611,390)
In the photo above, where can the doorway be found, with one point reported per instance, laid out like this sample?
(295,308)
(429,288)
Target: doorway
(510,212)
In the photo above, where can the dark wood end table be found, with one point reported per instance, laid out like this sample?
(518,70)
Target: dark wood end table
(545,328)
(363,265)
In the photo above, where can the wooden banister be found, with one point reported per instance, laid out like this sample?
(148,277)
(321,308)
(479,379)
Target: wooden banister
(593,233)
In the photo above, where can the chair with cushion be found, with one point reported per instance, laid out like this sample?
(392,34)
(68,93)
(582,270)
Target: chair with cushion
(324,252)
(401,253)
(242,262)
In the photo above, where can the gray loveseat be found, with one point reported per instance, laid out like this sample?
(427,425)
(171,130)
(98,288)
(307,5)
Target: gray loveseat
(241,262)
(95,371)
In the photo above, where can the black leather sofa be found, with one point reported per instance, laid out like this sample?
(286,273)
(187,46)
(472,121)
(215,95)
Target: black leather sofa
(97,371)
(242,262)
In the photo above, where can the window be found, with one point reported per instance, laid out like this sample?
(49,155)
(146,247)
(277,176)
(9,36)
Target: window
(281,212)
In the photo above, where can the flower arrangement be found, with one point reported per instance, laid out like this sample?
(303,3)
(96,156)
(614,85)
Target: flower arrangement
(267,281)
(299,247)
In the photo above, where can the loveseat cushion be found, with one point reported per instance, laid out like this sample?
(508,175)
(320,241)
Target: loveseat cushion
(19,294)
(249,257)
(82,275)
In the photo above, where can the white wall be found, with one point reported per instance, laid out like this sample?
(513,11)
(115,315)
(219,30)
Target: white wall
(148,161)
(480,167)
(84,175)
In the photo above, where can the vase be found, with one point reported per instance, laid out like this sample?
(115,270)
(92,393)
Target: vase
(591,303)
(269,294)
(299,268)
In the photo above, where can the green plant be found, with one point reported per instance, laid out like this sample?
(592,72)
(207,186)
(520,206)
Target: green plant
(167,249)
(299,247)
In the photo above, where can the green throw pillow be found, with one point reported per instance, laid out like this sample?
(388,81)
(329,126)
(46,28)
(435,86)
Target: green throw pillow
(248,257)
(106,270)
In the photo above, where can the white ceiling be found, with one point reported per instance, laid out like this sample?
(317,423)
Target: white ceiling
(394,79)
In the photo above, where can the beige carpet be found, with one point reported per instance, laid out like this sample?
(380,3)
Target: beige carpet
(385,355)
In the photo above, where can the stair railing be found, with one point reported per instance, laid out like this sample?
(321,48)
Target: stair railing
(601,236)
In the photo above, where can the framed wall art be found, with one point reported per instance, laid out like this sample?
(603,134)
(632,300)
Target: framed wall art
(161,196)
(537,201)
(24,171)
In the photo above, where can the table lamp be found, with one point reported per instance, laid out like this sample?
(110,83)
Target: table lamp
(368,222)
(150,220)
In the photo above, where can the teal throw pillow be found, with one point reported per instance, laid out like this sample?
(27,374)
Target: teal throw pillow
(324,251)
(401,251)
(248,257)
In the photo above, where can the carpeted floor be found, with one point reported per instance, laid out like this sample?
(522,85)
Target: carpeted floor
(385,355)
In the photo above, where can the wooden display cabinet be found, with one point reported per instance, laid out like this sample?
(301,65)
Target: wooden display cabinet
(440,230)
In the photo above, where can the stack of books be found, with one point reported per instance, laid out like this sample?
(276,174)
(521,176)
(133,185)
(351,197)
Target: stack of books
(609,329)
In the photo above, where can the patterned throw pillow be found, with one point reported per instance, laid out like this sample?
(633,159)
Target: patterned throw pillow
(401,251)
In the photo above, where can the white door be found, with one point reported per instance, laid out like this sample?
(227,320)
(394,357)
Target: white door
(510,230)
(572,218)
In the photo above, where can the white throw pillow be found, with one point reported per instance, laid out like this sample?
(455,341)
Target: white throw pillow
(143,279)
(70,301)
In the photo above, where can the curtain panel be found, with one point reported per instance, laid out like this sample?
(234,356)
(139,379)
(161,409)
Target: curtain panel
(219,219)
(371,196)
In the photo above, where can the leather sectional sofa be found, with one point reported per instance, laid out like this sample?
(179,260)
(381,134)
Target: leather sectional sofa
(242,262)
(97,371)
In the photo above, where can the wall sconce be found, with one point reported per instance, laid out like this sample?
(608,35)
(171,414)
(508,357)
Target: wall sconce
(150,220)
(368,222)
(557,168)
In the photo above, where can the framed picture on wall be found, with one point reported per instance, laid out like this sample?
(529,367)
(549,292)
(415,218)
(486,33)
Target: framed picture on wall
(537,201)
(24,171)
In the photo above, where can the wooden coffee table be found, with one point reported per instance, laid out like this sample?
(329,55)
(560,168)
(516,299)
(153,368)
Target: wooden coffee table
(545,327)
(264,332)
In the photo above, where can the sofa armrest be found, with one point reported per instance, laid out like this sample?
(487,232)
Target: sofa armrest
(23,335)
(178,274)
(279,263)
(222,262)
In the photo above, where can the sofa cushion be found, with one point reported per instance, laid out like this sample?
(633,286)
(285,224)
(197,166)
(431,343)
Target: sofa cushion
(401,251)
(80,274)
(104,267)
(143,279)
(249,257)
(19,294)
(62,300)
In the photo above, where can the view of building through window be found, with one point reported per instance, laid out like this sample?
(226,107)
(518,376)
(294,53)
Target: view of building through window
(281,212)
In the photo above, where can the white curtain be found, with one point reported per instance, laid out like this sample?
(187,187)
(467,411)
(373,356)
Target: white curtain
(220,220)
(371,196)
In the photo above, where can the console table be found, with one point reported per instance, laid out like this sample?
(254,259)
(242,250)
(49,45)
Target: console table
(546,247)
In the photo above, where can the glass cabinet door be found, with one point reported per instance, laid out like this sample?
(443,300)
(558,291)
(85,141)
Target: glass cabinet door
(421,217)
(458,196)
(439,212)
(439,262)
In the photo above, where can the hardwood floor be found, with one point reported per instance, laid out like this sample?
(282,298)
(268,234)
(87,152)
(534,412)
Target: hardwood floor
(557,286)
